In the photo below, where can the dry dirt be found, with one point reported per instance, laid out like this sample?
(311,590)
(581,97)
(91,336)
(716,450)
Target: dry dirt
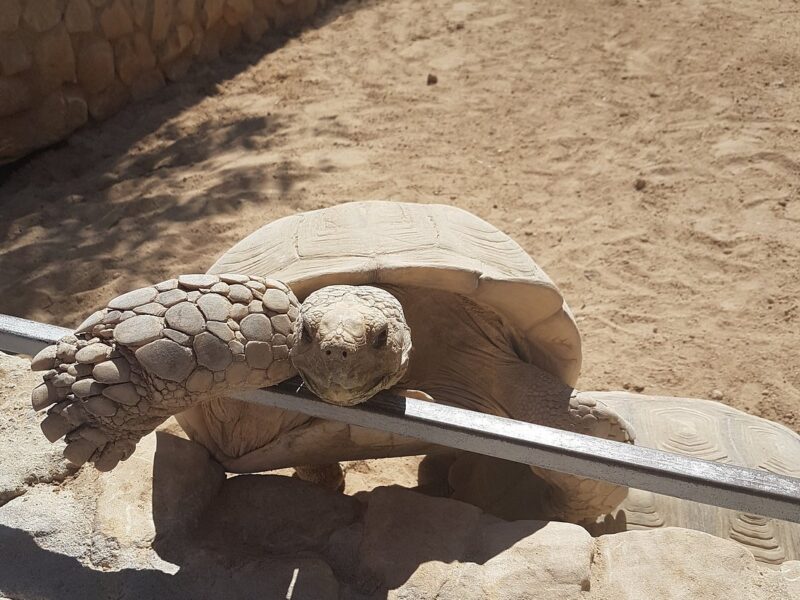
(646,154)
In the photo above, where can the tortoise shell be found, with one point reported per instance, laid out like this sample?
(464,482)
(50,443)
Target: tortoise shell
(427,246)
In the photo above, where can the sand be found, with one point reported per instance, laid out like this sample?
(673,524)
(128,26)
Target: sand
(647,155)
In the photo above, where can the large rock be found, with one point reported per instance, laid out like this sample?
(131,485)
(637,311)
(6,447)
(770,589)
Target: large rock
(168,524)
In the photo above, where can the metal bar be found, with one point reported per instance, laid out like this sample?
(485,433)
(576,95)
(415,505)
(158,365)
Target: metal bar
(728,486)
(22,336)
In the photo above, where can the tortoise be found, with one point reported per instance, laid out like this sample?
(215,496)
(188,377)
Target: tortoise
(355,298)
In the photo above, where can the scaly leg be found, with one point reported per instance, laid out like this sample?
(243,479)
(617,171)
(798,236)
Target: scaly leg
(156,351)
(530,394)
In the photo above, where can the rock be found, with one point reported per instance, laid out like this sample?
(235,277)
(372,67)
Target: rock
(133,57)
(166,359)
(147,84)
(406,525)
(237,11)
(78,16)
(95,73)
(108,102)
(14,55)
(186,317)
(42,15)
(162,18)
(193,282)
(214,306)
(139,330)
(212,352)
(257,328)
(276,301)
(133,298)
(212,11)
(15,95)
(302,515)
(681,563)
(54,58)
(9,15)
(115,20)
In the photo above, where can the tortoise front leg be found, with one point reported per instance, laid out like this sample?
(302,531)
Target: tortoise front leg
(530,394)
(157,351)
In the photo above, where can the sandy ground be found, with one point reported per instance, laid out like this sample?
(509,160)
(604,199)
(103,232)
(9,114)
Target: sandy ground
(646,154)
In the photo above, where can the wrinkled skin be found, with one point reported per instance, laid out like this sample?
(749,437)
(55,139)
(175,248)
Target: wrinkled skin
(353,343)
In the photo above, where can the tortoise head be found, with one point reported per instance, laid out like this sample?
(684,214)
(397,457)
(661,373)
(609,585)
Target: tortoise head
(354,342)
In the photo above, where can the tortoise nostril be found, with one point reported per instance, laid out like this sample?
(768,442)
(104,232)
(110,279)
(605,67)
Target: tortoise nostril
(344,354)
(328,352)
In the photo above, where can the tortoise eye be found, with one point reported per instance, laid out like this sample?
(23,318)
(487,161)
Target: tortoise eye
(381,337)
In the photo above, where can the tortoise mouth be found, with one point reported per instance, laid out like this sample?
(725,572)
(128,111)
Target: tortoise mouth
(341,395)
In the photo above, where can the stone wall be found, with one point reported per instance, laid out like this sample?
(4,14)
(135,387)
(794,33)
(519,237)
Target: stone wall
(63,62)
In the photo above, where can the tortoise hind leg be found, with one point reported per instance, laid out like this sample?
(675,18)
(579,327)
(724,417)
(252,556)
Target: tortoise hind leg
(530,394)
(157,351)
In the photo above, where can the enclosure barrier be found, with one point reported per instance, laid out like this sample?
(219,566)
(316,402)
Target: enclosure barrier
(729,486)
(64,62)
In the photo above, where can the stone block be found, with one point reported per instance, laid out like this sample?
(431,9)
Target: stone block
(43,15)
(15,95)
(185,11)
(141,9)
(104,104)
(14,55)
(54,58)
(237,11)
(77,112)
(96,65)
(125,60)
(162,19)
(231,37)
(210,46)
(177,42)
(212,11)
(133,56)
(255,27)
(10,12)
(116,20)
(198,37)
(147,84)
(78,16)
(177,68)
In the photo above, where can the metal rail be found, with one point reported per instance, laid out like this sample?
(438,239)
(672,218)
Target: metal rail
(728,486)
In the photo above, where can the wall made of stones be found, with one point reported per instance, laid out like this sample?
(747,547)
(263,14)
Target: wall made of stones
(64,62)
